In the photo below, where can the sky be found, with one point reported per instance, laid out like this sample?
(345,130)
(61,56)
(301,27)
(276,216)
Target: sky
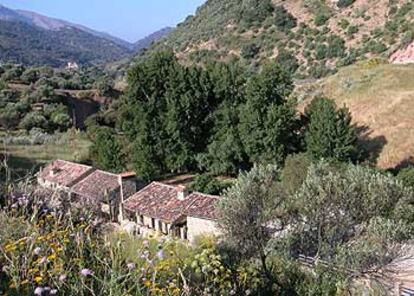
(128,19)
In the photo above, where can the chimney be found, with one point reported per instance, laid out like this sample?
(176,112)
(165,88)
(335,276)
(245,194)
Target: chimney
(182,192)
(53,172)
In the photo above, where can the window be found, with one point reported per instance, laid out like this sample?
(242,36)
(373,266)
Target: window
(160,226)
(141,219)
(153,223)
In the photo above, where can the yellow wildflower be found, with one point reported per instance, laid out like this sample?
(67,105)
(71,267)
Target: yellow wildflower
(147,283)
(38,279)
(51,257)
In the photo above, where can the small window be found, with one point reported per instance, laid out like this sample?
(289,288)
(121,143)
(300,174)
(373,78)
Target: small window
(153,223)
(160,226)
(141,219)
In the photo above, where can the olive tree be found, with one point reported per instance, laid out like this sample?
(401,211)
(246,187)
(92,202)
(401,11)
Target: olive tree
(248,210)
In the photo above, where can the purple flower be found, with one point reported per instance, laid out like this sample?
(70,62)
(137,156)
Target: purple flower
(86,272)
(160,254)
(43,260)
(62,278)
(53,292)
(38,291)
(145,243)
(131,266)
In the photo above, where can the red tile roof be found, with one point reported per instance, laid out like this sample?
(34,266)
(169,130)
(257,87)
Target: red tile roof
(97,185)
(201,206)
(160,201)
(65,173)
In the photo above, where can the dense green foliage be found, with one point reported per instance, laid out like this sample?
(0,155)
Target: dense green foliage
(106,151)
(330,133)
(208,184)
(182,118)
(347,216)
(23,43)
(39,97)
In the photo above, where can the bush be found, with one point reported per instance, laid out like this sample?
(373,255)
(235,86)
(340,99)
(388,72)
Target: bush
(283,19)
(344,3)
(406,176)
(33,120)
(249,51)
(295,171)
(321,18)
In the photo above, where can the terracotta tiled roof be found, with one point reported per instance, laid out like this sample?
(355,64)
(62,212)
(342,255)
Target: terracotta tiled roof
(160,201)
(64,173)
(96,185)
(201,206)
(157,200)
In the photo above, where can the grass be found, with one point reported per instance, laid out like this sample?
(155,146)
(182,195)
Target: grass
(380,98)
(23,159)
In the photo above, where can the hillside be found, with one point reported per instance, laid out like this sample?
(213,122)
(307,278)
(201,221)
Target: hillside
(309,37)
(147,41)
(23,43)
(381,100)
(34,39)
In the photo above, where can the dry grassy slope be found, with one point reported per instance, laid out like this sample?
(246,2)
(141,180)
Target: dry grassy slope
(382,99)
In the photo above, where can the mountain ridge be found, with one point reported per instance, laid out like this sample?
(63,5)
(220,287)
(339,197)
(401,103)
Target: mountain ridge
(47,40)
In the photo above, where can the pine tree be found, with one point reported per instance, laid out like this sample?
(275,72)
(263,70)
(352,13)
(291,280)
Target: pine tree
(330,133)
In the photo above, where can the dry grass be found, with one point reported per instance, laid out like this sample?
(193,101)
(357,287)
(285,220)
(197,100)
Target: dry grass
(382,99)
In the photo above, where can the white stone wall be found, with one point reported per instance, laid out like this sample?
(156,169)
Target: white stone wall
(197,227)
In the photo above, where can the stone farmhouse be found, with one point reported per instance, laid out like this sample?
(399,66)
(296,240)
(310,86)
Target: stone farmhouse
(86,185)
(156,209)
(173,211)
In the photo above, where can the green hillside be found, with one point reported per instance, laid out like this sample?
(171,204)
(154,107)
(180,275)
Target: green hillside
(309,37)
(23,43)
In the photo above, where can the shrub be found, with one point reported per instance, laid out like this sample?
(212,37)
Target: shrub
(283,19)
(321,18)
(33,120)
(344,3)
(249,51)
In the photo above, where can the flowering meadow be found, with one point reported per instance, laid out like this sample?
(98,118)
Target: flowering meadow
(50,248)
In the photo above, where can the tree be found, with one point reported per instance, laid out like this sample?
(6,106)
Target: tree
(141,116)
(330,133)
(29,76)
(255,11)
(225,152)
(106,151)
(248,210)
(33,120)
(268,122)
(336,203)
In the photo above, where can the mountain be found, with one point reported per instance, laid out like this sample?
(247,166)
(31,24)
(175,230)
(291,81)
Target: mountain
(49,23)
(30,38)
(23,43)
(150,39)
(311,38)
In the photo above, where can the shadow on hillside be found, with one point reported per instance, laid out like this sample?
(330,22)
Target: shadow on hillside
(370,147)
(406,163)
